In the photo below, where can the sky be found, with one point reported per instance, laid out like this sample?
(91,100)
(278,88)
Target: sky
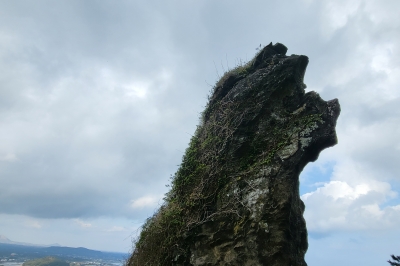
(99,99)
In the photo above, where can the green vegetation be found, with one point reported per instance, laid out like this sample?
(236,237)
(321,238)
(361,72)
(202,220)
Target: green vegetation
(47,261)
(241,69)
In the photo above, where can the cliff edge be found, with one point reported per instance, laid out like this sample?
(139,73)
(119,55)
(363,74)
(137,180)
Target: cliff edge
(235,198)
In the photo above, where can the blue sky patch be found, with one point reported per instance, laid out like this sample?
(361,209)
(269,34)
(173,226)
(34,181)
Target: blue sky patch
(315,175)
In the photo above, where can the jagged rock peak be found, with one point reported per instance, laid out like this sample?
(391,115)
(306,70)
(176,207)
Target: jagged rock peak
(235,198)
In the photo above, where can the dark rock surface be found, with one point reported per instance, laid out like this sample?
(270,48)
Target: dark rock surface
(235,198)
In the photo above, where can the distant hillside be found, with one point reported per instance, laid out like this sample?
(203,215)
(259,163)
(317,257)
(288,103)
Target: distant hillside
(60,252)
(5,240)
(47,261)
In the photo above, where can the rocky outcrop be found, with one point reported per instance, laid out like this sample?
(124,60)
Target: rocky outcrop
(235,198)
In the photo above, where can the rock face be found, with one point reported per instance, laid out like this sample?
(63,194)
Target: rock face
(235,198)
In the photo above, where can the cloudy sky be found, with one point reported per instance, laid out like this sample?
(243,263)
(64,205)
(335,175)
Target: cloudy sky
(98,100)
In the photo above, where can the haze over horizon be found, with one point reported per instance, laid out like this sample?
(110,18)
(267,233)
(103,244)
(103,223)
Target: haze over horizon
(6,240)
(99,100)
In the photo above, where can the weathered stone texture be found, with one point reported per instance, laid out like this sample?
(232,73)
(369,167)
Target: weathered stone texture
(240,199)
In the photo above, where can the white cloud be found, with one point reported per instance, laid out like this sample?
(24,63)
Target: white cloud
(33,224)
(339,190)
(117,229)
(9,157)
(352,200)
(383,61)
(82,223)
(145,202)
(338,12)
(383,13)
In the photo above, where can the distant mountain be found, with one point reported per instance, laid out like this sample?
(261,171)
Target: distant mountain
(55,245)
(77,252)
(8,246)
(5,240)
(33,252)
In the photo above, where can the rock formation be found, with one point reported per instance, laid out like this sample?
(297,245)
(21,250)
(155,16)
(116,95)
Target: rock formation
(235,198)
